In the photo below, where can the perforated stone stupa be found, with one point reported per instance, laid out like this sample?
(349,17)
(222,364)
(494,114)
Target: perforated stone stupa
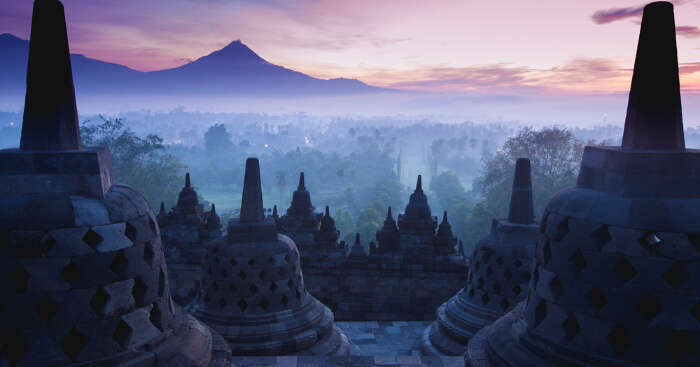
(498,276)
(83,278)
(616,279)
(253,290)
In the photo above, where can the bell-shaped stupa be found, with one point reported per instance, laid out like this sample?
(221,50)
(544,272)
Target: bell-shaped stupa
(445,241)
(498,277)
(84,280)
(300,222)
(327,235)
(616,279)
(253,290)
(417,219)
(388,237)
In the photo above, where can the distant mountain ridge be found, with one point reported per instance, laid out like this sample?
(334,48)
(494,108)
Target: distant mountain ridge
(232,70)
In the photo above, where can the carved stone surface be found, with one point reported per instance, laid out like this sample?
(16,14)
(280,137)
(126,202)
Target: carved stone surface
(186,232)
(498,275)
(300,222)
(406,276)
(83,280)
(615,280)
(253,290)
(73,294)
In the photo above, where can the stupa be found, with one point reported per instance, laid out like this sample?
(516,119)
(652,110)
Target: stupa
(417,221)
(388,237)
(185,233)
(300,222)
(445,241)
(327,235)
(84,281)
(616,279)
(357,251)
(253,290)
(498,276)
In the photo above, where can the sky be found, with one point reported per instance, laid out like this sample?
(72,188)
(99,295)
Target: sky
(479,47)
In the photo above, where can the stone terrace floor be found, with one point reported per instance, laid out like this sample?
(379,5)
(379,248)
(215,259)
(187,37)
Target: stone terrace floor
(376,343)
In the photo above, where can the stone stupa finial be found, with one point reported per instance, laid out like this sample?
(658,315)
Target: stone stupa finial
(302,186)
(252,201)
(654,119)
(188,183)
(419,183)
(50,119)
(521,206)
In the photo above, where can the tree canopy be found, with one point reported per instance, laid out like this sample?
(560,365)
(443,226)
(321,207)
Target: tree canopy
(140,162)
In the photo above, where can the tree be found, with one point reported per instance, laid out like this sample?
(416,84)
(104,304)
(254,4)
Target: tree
(388,192)
(554,155)
(449,191)
(142,163)
(343,222)
(453,198)
(217,140)
(476,226)
(369,221)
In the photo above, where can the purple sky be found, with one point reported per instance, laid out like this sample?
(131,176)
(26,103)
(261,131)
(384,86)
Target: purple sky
(543,46)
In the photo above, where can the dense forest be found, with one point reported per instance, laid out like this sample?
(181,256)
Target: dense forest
(358,167)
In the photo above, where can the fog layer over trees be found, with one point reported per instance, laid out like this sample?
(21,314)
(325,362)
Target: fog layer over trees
(356,166)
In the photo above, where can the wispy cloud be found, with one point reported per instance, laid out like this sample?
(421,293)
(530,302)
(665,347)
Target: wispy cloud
(496,77)
(604,16)
(614,14)
(688,31)
(577,76)
(689,68)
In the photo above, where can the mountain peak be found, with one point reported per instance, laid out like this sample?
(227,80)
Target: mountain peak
(7,38)
(235,53)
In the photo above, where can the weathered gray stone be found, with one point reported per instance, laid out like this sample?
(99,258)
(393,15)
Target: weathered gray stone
(253,291)
(71,273)
(143,329)
(614,278)
(89,211)
(120,299)
(68,242)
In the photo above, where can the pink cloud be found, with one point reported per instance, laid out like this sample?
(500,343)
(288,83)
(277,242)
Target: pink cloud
(611,15)
(577,76)
(615,14)
(689,68)
(688,31)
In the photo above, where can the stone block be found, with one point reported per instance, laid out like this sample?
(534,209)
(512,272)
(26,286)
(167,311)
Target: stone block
(143,330)
(36,211)
(89,211)
(45,274)
(94,270)
(87,171)
(111,238)
(119,298)
(25,244)
(68,242)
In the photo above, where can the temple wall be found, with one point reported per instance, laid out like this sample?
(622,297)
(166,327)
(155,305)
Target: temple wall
(384,291)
